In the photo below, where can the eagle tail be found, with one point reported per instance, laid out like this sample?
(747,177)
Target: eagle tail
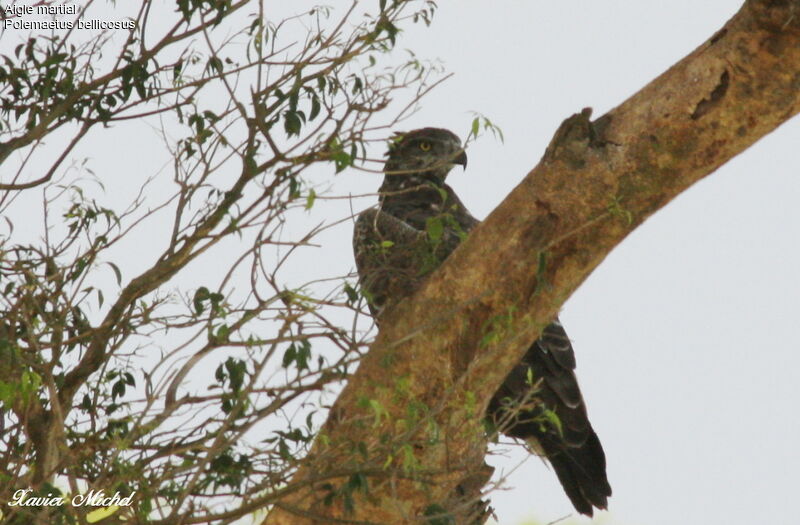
(581,472)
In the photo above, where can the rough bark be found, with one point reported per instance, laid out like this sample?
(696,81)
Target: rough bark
(408,424)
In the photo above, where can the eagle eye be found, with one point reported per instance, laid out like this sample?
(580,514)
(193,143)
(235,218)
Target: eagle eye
(425,146)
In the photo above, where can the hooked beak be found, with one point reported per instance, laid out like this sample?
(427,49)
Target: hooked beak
(461,159)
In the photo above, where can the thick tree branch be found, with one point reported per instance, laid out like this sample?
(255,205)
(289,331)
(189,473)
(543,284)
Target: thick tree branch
(596,183)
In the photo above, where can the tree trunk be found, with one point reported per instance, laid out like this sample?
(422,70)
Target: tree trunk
(407,430)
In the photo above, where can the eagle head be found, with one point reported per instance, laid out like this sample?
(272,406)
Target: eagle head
(427,153)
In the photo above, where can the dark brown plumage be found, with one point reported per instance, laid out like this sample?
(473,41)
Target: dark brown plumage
(419,222)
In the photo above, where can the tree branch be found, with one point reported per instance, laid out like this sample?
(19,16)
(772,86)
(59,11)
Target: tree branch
(597,181)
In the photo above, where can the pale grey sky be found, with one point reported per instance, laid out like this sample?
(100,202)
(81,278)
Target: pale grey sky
(686,336)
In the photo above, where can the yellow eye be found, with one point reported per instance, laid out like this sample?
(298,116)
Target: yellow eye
(425,146)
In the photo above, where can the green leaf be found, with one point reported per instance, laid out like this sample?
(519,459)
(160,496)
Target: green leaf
(200,296)
(8,393)
(358,85)
(303,354)
(216,64)
(289,356)
(118,390)
(31,381)
(435,228)
(312,196)
(176,70)
(553,418)
(236,370)
(223,331)
(117,272)
(315,107)
(352,294)
(292,123)
(294,188)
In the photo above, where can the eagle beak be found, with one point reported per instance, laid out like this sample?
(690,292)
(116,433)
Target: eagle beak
(461,159)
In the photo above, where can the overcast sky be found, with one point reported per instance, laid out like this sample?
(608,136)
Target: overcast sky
(686,336)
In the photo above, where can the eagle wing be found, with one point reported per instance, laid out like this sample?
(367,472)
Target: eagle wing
(389,256)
